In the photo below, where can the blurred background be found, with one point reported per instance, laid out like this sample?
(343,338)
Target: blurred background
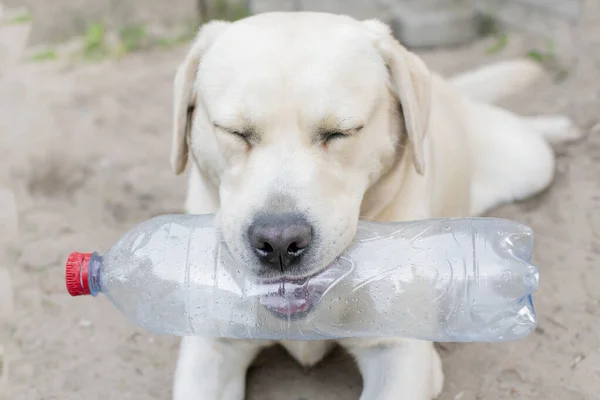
(85,125)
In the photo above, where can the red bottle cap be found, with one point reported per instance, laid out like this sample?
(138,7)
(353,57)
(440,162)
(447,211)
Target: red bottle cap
(76,274)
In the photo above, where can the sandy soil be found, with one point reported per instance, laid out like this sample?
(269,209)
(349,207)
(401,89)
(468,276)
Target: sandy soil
(84,153)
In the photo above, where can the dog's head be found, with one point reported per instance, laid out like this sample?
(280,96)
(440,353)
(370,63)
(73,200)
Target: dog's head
(295,117)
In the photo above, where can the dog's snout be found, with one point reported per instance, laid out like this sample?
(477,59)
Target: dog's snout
(280,240)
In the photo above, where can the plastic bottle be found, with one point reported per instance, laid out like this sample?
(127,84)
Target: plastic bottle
(459,280)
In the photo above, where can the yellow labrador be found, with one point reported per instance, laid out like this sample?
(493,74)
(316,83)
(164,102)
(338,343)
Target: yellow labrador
(299,124)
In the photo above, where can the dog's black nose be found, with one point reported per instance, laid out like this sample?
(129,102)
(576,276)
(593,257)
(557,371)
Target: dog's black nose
(280,239)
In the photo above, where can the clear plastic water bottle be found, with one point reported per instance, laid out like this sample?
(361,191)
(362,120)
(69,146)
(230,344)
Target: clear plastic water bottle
(459,280)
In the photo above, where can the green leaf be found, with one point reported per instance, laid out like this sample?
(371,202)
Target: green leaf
(21,18)
(133,37)
(94,46)
(499,45)
(45,55)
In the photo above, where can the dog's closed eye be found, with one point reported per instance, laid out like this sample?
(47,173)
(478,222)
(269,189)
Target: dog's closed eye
(328,136)
(245,134)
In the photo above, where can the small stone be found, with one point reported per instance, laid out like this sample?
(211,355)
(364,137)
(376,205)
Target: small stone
(577,360)
(84,323)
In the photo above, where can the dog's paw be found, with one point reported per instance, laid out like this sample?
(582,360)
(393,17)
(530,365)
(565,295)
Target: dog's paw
(556,129)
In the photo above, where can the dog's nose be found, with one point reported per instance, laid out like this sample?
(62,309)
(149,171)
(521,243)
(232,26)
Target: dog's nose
(280,240)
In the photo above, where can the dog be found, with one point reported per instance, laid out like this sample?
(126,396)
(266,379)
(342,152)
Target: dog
(299,124)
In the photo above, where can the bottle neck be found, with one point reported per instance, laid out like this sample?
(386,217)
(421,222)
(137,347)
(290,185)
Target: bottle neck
(94,272)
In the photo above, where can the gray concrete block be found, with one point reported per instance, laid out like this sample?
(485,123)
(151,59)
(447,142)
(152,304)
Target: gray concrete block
(359,9)
(446,23)
(58,20)
(416,22)
(261,6)
(14,3)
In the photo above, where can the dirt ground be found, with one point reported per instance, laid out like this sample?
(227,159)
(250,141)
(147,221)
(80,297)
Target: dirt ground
(84,152)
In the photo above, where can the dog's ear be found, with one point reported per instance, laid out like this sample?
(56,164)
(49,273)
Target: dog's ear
(410,81)
(184,99)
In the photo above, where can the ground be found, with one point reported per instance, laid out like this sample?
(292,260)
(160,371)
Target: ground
(84,150)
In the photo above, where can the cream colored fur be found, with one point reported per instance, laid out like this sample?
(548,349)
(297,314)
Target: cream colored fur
(428,147)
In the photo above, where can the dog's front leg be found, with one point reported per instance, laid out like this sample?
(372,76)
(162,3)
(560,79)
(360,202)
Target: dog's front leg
(213,369)
(397,369)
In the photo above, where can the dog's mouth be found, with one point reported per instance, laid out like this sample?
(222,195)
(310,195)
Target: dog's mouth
(291,297)
(294,298)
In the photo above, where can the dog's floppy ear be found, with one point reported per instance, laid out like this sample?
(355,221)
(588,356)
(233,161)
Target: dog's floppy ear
(184,99)
(410,81)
